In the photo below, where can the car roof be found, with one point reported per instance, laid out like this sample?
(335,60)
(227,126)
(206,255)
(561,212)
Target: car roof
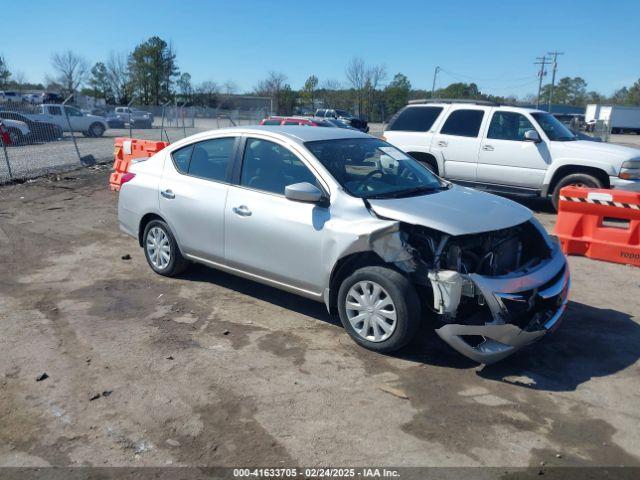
(462,105)
(296,133)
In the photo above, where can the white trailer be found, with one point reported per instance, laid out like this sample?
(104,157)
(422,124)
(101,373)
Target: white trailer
(619,118)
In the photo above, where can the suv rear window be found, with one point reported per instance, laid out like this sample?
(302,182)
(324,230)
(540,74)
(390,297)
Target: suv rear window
(463,123)
(415,119)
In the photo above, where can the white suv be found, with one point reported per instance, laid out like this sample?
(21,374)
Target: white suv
(507,149)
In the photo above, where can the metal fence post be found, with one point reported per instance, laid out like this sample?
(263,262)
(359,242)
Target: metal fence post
(6,157)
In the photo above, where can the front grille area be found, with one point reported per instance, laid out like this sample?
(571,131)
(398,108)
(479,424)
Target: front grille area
(529,310)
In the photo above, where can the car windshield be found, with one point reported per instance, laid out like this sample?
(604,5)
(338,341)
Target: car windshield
(343,113)
(554,128)
(371,168)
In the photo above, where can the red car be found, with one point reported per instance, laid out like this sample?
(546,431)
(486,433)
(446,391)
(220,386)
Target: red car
(4,134)
(293,121)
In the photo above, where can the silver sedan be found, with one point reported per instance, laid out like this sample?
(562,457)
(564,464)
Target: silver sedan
(344,218)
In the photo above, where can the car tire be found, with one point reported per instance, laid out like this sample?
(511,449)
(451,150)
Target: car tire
(390,314)
(16,137)
(157,237)
(96,130)
(575,179)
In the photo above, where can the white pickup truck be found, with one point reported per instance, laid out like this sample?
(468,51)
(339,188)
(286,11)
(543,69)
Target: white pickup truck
(510,150)
(89,125)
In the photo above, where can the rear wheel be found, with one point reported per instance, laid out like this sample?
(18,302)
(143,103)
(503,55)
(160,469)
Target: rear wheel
(576,180)
(96,129)
(15,136)
(379,308)
(161,249)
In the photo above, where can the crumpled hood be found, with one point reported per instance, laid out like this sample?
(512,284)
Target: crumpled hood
(456,211)
(602,151)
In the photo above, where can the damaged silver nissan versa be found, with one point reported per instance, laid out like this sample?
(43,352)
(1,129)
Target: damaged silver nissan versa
(341,217)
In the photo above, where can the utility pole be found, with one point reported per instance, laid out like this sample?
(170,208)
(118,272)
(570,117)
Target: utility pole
(542,61)
(435,75)
(553,75)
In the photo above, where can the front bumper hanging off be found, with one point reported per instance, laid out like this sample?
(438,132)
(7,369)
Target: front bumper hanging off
(522,309)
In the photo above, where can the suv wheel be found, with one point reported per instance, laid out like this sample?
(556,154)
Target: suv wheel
(577,180)
(379,308)
(161,250)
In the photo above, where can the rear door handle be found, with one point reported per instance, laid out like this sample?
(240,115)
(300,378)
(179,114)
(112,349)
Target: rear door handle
(242,210)
(487,148)
(442,143)
(168,193)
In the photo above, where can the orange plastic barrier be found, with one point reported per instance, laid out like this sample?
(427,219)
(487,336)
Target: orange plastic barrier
(601,224)
(125,151)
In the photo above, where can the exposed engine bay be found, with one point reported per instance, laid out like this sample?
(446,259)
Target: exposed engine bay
(493,292)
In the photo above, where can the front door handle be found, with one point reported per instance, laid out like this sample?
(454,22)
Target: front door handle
(168,193)
(487,148)
(242,210)
(442,143)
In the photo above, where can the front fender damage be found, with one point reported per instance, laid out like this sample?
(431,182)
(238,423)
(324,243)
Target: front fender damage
(491,293)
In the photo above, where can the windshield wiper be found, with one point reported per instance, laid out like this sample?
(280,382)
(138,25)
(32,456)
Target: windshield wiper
(405,193)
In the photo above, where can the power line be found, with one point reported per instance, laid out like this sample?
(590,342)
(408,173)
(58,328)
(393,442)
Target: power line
(542,61)
(553,76)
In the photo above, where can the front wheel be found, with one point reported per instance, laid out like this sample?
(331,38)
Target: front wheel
(161,250)
(575,180)
(379,308)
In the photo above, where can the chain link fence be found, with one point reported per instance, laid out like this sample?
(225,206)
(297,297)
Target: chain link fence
(41,139)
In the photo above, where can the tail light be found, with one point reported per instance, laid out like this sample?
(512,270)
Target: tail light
(127,177)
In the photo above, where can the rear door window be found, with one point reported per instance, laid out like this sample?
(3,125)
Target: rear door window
(415,119)
(210,159)
(181,158)
(463,123)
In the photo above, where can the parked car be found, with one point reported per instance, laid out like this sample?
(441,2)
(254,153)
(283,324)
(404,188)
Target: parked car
(11,96)
(508,149)
(345,116)
(140,118)
(301,121)
(51,97)
(5,139)
(71,119)
(114,121)
(38,131)
(16,131)
(347,219)
(32,98)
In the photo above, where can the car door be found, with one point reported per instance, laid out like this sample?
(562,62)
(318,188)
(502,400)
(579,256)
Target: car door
(193,195)
(76,119)
(54,112)
(458,142)
(506,158)
(267,235)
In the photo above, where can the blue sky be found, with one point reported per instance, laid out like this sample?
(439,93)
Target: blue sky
(493,43)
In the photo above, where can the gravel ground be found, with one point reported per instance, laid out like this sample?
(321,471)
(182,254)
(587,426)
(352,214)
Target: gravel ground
(209,369)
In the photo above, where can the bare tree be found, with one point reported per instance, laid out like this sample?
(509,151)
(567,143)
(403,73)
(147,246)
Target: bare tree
(356,72)
(229,87)
(329,93)
(375,76)
(208,92)
(19,79)
(119,78)
(272,86)
(71,70)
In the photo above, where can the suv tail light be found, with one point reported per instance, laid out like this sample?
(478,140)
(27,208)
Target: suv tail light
(127,177)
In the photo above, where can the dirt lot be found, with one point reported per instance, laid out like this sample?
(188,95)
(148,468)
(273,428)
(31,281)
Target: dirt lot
(209,369)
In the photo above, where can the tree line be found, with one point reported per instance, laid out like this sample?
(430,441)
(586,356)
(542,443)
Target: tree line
(149,75)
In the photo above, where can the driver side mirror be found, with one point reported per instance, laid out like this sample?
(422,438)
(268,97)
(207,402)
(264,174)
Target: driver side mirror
(304,192)
(532,136)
